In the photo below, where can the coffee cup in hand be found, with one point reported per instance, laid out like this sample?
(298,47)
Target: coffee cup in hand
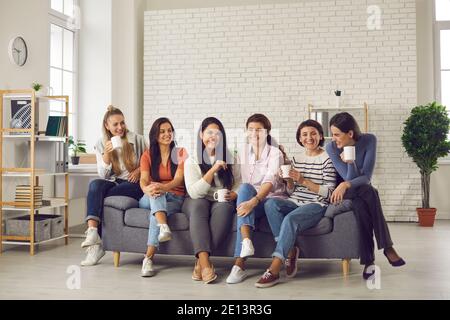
(285,170)
(116,142)
(349,153)
(220,195)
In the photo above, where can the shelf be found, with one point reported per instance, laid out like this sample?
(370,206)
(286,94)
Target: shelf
(37,138)
(38,167)
(55,203)
(16,242)
(28,95)
(27,175)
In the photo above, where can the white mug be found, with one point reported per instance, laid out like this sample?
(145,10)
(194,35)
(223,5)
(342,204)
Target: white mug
(285,170)
(349,153)
(116,142)
(219,195)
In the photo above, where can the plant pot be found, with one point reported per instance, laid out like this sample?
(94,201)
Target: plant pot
(426,216)
(75,160)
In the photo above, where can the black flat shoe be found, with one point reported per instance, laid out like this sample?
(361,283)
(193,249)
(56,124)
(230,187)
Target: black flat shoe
(398,263)
(367,275)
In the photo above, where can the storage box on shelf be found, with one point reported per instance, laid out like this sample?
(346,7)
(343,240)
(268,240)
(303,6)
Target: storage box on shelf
(47,158)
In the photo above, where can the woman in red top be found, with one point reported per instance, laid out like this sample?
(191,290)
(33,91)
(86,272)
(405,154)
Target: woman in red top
(162,181)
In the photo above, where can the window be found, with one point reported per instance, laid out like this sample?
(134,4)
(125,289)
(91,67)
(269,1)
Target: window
(63,53)
(442,51)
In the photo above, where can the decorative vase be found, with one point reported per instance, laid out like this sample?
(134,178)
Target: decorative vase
(426,216)
(75,160)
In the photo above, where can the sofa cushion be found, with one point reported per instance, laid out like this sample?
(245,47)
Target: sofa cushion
(121,203)
(137,217)
(335,209)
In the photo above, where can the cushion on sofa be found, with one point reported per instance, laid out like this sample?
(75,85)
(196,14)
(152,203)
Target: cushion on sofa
(139,218)
(335,209)
(121,203)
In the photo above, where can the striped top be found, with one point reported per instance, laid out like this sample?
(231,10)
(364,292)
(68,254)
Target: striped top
(320,170)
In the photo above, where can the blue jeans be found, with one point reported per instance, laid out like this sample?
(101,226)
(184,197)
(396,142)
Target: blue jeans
(286,219)
(100,189)
(169,203)
(245,193)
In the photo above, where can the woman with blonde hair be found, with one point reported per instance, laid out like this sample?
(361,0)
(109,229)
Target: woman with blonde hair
(119,172)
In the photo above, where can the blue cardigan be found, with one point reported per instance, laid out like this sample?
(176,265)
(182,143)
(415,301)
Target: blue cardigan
(360,172)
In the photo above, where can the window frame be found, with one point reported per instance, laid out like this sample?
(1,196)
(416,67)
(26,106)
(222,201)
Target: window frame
(60,19)
(437,27)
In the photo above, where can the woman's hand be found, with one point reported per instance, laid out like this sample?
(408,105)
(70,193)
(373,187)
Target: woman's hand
(231,196)
(343,159)
(219,165)
(155,189)
(339,192)
(134,175)
(108,147)
(246,207)
(296,176)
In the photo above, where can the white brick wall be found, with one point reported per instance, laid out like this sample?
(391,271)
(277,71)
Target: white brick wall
(231,62)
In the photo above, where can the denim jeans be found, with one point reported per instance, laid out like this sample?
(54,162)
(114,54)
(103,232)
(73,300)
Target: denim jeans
(245,193)
(286,219)
(169,203)
(100,189)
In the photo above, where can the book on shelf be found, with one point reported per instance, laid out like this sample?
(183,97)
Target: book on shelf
(56,126)
(23,195)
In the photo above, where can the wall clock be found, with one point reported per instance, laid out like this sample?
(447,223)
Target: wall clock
(18,51)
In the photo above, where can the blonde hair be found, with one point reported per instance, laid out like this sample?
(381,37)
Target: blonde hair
(129,157)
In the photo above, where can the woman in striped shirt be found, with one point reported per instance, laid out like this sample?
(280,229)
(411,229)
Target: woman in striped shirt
(310,184)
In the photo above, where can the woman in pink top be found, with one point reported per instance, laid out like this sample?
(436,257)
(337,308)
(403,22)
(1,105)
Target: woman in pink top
(260,162)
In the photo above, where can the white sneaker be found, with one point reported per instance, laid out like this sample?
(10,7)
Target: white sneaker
(92,238)
(236,275)
(247,248)
(94,254)
(164,233)
(147,267)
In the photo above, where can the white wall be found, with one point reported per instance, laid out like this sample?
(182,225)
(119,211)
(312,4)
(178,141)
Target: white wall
(127,59)
(28,19)
(230,62)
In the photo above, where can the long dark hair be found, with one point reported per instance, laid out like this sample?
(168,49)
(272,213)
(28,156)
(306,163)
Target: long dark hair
(155,152)
(221,151)
(345,122)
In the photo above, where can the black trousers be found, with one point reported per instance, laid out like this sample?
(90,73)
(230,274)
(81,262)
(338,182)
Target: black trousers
(370,218)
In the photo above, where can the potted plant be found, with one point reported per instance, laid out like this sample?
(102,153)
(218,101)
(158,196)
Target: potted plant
(37,87)
(77,147)
(425,140)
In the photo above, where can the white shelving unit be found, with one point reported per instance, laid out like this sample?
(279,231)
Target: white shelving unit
(364,108)
(31,173)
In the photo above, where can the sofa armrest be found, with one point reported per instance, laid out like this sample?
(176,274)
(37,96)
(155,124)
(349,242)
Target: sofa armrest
(121,202)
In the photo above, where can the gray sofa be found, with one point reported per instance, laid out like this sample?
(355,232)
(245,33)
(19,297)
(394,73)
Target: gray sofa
(125,229)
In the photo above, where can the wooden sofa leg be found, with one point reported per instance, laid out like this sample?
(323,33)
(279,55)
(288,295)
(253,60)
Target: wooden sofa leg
(346,266)
(116,259)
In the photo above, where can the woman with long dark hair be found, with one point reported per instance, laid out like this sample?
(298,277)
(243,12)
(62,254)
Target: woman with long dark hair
(260,162)
(214,169)
(119,172)
(162,181)
(357,186)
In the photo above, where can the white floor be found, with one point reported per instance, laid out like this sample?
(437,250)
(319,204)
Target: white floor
(45,275)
